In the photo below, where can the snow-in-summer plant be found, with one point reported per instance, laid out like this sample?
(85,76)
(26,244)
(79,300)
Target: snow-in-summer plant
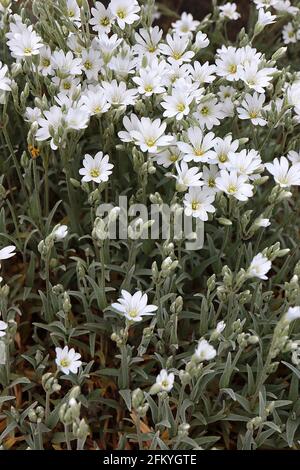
(111,337)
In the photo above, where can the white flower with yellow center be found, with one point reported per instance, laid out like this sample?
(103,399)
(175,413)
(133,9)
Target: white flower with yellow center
(125,11)
(199,147)
(150,136)
(204,351)
(96,169)
(25,44)
(175,49)
(67,360)
(198,203)
(251,108)
(177,105)
(102,18)
(165,381)
(234,185)
(134,307)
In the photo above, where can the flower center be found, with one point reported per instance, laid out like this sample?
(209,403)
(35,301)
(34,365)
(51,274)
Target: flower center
(95,172)
(180,107)
(253,114)
(195,205)
(97,109)
(165,384)
(211,183)
(199,152)
(67,85)
(121,14)
(71,13)
(148,88)
(104,21)
(177,55)
(152,48)
(45,62)
(150,142)
(205,111)
(173,158)
(65,362)
(232,68)
(232,189)
(88,64)
(223,157)
(133,313)
(27,50)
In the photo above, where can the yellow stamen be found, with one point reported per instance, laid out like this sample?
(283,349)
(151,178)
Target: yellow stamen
(95,173)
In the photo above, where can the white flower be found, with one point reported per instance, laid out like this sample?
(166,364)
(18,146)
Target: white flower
(222,148)
(204,351)
(4,80)
(96,169)
(251,108)
(52,120)
(209,178)
(292,314)
(228,10)
(102,18)
(265,3)
(67,360)
(202,73)
(187,177)
(125,11)
(45,64)
(229,63)
(289,34)
(260,222)
(107,45)
(169,156)
(134,307)
(234,185)
(284,175)
(3,327)
(150,135)
(245,163)
(65,64)
(177,105)
(293,156)
(77,118)
(94,101)
(221,325)
(123,64)
(259,266)
(265,17)
(186,25)
(256,79)
(149,82)
(91,63)
(199,146)
(175,49)
(131,123)
(7,252)
(165,381)
(60,232)
(209,112)
(32,114)
(73,11)
(284,6)
(197,203)
(117,94)
(201,40)
(25,44)
(147,41)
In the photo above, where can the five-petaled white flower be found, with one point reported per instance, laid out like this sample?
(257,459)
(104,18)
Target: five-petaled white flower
(96,169)
(204,351)
(67,360)
(165,381)
(259,266)
(134,307)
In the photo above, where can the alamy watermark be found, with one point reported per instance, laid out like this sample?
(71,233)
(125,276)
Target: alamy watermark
(155,222)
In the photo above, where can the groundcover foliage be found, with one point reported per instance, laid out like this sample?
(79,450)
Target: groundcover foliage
(141,341)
